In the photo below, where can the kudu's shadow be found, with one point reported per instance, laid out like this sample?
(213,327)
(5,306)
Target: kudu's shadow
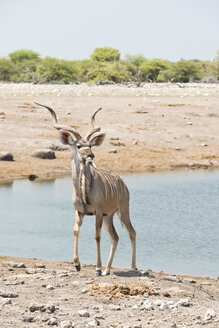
(132,273)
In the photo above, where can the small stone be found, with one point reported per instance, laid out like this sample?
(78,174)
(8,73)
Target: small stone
(84,291)
(84,313)
(114,138)
(204,145)
(50,308)
(197,322)
(113,151)
(173,325)
(58,147)
(44,154)
(32,177)
(99,317)
(165,294)
(39,266)
(189,123)
(66,324)
(49,287)
(135,142)
(135,307)
(28,319)
(6,301)
(8,295)
(14,265)
(148,306)
(34,307)
(164,306)
(210,314)
(158,302)
(6,156)
(93,323)
(184,302)
(52,322)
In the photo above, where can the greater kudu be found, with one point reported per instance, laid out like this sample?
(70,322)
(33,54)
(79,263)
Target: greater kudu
(96,192)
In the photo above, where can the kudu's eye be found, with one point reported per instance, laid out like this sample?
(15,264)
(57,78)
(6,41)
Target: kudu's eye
(78,146)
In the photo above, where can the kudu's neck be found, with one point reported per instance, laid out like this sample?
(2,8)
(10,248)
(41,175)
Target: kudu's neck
(81,176)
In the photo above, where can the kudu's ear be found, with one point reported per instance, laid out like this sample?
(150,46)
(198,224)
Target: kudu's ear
(66,138)
(98,140)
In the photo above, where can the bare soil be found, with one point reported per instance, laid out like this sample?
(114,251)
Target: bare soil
(159,126)
(36,293)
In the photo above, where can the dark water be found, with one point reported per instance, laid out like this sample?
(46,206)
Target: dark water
(176,216)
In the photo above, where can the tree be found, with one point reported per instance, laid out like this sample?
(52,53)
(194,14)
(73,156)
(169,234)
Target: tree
(186,70)
(105,54)
(57,70)
(7,69)
(151,69)
(20,55)
(136,60)
(116,72)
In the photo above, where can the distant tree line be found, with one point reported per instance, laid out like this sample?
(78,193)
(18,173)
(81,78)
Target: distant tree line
(104,64)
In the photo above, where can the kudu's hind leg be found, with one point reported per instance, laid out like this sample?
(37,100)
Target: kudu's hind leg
(114,238)
(125,220)
(78,222)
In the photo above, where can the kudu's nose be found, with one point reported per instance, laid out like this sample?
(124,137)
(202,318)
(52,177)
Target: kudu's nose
(91,156)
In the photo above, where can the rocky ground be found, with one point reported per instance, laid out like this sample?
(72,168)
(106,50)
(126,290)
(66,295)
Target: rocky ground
(148,128)
(36,293)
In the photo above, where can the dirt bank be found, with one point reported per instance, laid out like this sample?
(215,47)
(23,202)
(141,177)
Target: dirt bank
(158,126)
(35,293)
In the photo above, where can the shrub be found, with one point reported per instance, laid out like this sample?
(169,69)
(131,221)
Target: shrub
(20,55)
(57,70)
(116,72)
(105,54)
(151,69)
(7,69)
(185,71)
(136,60)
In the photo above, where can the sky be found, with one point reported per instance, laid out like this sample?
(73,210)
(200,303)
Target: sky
(70,29)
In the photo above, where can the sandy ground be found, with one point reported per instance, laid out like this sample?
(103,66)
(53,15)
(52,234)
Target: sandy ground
(159,126)
(35,293)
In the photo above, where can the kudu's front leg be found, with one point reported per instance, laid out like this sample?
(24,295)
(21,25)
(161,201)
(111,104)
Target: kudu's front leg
(99,221)
(78,222)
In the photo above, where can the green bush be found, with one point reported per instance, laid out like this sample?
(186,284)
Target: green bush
(105,64)
(105,54)
(20,55)
(25,71)
(151,69)
(55,70)
(136,60)
(7,69)
(116,72)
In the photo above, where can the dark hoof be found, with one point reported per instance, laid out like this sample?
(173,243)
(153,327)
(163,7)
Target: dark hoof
(98,273)
(78,267)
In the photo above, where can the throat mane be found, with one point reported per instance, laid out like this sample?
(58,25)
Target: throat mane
(84,183)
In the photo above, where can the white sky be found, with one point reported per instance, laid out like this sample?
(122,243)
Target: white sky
(70,29)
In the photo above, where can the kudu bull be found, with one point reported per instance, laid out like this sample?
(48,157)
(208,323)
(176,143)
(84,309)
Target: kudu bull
(96,192)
